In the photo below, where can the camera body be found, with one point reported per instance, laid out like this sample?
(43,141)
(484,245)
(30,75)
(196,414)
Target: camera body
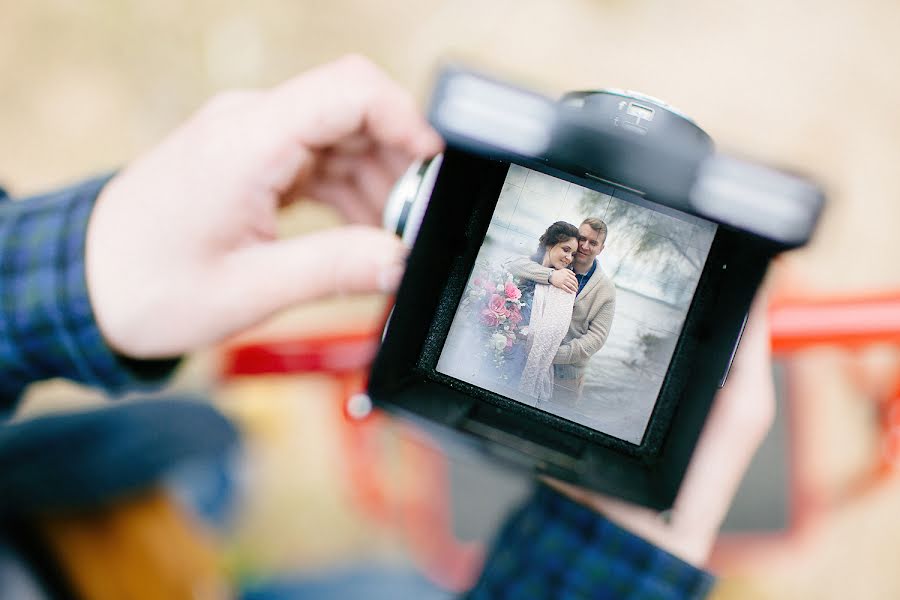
(474,344)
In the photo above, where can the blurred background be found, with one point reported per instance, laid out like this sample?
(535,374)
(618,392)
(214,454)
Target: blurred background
(811,86)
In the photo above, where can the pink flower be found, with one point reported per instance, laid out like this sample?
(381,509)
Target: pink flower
(497,304)
(509,343)
(515,317)
(512,292)
(489,318)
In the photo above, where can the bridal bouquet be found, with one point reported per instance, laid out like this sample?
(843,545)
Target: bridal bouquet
(493,301)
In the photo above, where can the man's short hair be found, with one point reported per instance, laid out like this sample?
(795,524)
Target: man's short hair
(597,225)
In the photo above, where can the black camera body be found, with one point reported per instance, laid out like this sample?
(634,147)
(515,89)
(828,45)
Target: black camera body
(690,235)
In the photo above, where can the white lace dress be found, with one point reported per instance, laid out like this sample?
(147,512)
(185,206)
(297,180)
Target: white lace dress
(551,314)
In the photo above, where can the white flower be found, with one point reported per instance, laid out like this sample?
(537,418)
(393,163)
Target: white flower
(498,341)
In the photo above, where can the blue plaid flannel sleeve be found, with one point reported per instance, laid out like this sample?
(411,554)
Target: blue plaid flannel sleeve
(47,326)
(555,548)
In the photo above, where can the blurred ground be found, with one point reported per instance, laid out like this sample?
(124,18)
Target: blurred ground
(87,85)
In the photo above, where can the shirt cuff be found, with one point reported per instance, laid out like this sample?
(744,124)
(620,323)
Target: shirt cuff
(555,548)
(48,327)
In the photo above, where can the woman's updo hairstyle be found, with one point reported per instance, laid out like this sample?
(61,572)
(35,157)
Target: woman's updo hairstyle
(556,233)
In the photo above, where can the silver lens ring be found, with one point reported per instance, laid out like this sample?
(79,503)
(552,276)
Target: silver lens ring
(409,198)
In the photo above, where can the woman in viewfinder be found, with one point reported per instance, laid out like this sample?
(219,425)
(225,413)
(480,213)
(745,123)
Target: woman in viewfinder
(551,311)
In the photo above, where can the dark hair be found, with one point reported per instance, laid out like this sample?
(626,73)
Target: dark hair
(556,233)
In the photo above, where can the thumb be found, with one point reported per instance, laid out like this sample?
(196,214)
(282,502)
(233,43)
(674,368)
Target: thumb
(354,259)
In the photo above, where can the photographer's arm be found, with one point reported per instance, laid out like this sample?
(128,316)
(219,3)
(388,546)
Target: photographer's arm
(48,329)
(553,547)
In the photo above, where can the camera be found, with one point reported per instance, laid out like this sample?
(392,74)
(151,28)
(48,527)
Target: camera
(579,277)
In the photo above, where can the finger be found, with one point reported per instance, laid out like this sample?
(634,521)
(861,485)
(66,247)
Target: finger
(740,417)
(268,277)
(337,165)
(395,161)
(343,195)
(368,179)
(374,182)
(370,173)
(358,143)
(347,97)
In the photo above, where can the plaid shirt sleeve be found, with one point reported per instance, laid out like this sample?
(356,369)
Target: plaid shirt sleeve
(47,326)
(555,548)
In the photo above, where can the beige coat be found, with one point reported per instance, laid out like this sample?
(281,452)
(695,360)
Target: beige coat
(591,318)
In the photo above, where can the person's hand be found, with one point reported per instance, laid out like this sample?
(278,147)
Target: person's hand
(564,279)
(741,415)
(182,248)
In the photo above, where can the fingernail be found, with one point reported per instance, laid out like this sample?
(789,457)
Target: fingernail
(389,277)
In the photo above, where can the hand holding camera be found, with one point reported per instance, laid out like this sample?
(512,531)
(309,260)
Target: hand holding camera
(182,246)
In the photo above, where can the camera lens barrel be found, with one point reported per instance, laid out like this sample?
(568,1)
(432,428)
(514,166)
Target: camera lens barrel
(409,198)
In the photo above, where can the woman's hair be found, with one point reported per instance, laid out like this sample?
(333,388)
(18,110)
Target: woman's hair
(556,233)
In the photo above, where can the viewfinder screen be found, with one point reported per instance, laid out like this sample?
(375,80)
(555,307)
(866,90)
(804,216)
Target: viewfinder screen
(576,301)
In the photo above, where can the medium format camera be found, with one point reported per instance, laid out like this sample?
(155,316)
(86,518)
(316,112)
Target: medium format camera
(579,277)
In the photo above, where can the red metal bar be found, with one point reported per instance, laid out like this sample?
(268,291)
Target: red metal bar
(844,321)
(319,354)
